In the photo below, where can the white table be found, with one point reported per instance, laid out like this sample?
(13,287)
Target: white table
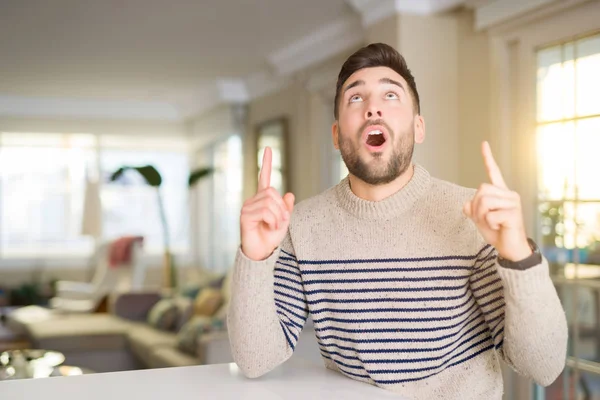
(291,381)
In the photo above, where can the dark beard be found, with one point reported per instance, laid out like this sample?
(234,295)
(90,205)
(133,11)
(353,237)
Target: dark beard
(399,162)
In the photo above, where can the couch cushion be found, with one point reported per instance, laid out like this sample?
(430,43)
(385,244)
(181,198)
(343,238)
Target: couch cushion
(164,357)
(163,315)
(144,339)
(187,337)
(208,302)
(80,332)
(185,311)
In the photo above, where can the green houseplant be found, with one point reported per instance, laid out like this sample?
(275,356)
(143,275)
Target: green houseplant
(153,178)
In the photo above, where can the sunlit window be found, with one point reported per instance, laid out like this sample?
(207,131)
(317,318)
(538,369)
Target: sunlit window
(43,181)
(568,135)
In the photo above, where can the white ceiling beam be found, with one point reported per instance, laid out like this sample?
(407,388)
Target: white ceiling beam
(334,38)
(498,11)
(373,11)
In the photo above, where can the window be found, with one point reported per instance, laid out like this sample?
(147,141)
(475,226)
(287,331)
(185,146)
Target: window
(224,235)
(568,139)
(273,134)
(43,181)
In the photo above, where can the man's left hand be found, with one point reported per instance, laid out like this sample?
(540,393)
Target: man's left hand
(496,211)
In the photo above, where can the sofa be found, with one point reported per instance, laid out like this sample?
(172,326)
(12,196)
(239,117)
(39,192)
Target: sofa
(123,339)
(127,337)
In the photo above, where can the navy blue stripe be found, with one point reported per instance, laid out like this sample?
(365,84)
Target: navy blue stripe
(498,333)
(500,316)
(493,310)
(403,361)
(291,321)
(498,289)
(483,277)
(484,248)
(389,310)
(489,254)
(397,351)
(288,279)
(480,263)
(495,326)
(494,300)
(396,381)
(287,326)
(385,290)
(394,320)
(335,353)
(373,280)
(286,264)
(413,370)
(286,270)
(295,267)
(386,260)
(288,254)
(383,270)
(341,363)
(353,374)
(499,345)
(289,312)
(464,322)
(419,360)
(304,309)
(486,285)
(483,269)
(404,340)
(387,299)
(281,285)
(286,335)
(289,296)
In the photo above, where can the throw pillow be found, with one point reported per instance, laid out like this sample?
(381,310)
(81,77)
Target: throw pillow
(187,337)
(185,311)
(163,315)
(208,302)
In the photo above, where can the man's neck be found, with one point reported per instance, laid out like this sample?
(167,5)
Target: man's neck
(369,192)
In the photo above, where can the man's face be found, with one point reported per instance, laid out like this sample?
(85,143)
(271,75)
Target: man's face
(377,128)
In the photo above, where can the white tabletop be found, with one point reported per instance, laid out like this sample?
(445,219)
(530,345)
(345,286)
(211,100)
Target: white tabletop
(292,380)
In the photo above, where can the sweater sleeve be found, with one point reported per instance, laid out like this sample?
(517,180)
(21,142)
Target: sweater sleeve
(267,311)
(524,315)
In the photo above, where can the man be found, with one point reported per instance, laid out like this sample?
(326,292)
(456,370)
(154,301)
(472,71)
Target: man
(414,284)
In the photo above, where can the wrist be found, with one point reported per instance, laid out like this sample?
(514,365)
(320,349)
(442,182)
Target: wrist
(528,258)
(518,254)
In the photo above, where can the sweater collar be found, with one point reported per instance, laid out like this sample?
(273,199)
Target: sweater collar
(389,207)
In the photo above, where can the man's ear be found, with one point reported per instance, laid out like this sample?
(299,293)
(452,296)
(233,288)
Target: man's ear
(419,129)
(335,135)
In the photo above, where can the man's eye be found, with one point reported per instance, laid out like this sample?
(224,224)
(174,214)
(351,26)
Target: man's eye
(355,98)
(391,96)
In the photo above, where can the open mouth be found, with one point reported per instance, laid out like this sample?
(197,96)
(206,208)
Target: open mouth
(375,138)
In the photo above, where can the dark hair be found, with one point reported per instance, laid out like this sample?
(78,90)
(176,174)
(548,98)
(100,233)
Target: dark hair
(376,55)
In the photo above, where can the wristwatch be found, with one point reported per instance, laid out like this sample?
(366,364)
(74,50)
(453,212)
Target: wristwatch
(531,261)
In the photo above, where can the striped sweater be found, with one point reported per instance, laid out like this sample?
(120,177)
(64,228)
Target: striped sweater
(404,294)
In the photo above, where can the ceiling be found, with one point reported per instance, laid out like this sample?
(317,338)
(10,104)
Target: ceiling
(145,49)
(171,59)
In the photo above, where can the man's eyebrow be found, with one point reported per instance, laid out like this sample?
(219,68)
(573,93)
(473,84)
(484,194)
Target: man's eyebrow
(354,84)
(392,82)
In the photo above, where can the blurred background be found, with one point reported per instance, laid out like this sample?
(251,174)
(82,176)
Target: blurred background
(131,132)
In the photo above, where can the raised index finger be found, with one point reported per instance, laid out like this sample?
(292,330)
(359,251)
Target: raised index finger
(492,168)
(264,179)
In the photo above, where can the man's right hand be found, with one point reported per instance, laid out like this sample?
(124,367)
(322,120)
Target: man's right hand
(265,217)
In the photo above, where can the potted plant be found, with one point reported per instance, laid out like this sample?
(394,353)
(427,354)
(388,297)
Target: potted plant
(153,178)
